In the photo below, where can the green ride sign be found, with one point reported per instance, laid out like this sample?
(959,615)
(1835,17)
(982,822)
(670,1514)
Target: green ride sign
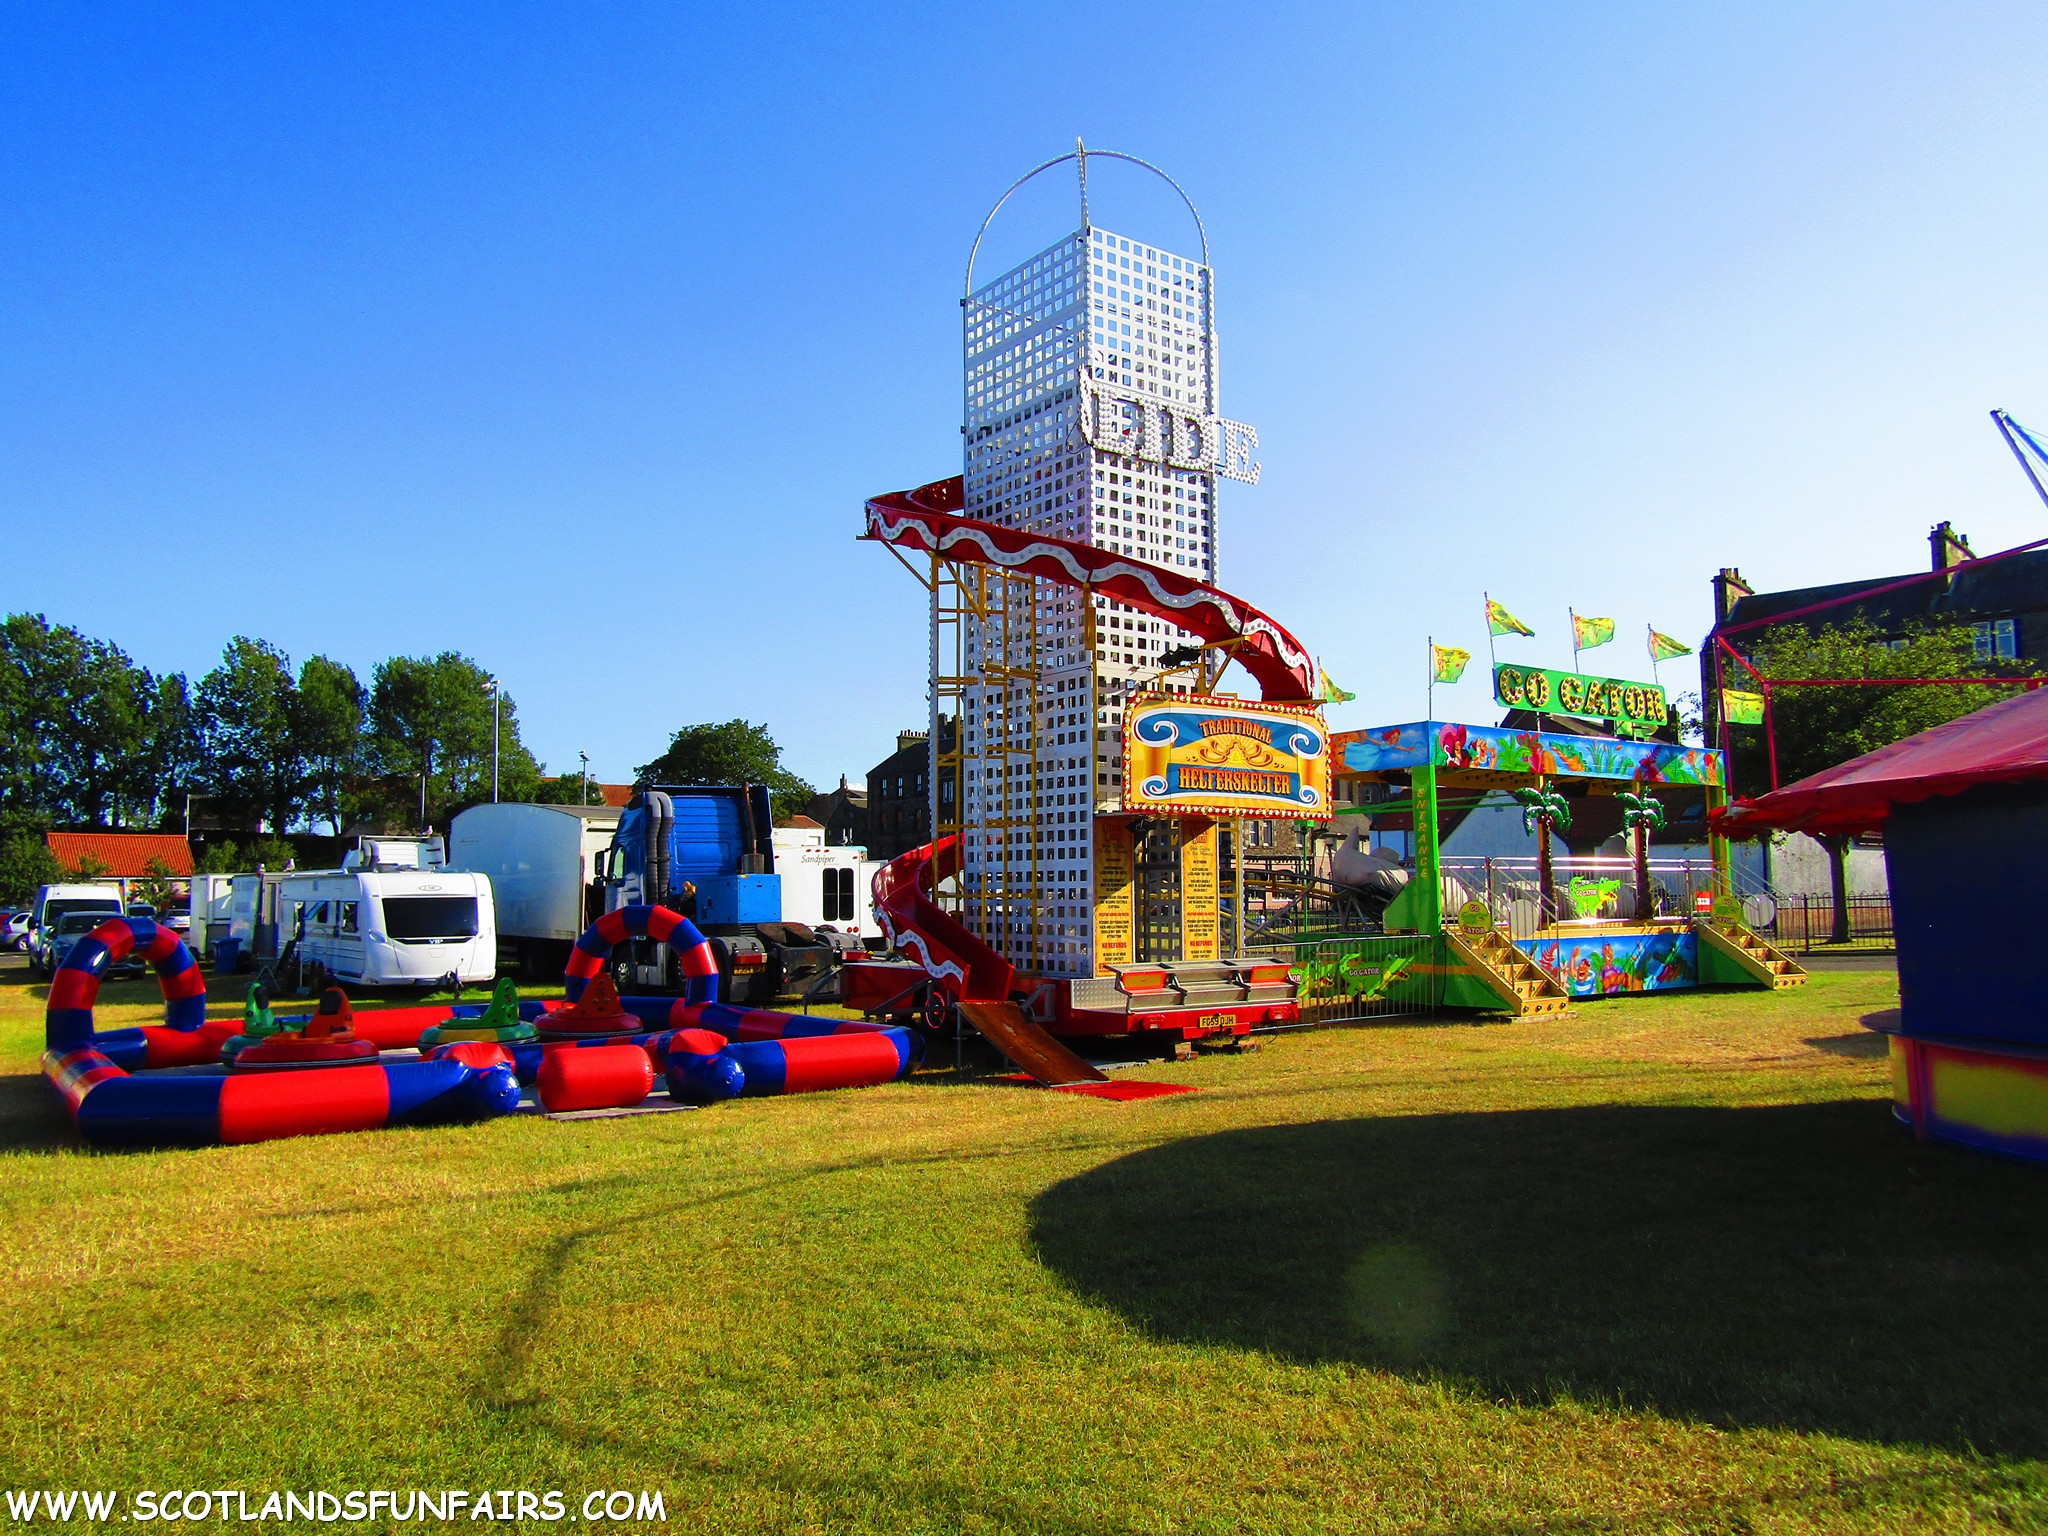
(1570,693)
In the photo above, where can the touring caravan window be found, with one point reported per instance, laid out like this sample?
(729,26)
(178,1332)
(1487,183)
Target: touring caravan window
(347,918)
(838,895)
(430,917)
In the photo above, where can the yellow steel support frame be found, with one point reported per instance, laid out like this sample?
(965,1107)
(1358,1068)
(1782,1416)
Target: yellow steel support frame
(986,626)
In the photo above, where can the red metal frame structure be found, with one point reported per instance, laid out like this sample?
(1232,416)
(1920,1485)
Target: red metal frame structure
(2014,435)
(1766,685)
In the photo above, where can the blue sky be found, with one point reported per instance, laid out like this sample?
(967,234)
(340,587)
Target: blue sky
(573,337)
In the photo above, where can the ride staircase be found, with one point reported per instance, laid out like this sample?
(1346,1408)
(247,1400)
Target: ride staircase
(1752,960)
(1522,987)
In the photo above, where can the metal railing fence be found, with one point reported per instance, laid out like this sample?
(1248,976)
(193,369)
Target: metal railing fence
(1370,976)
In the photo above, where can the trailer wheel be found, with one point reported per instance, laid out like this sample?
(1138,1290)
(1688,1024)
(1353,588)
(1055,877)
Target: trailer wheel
(937,1015)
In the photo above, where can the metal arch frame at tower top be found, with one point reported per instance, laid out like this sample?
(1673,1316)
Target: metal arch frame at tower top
(1080,153)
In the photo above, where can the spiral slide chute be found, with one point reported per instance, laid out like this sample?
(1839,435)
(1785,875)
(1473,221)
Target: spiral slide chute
(110,1106)
(919,927)
(929,519)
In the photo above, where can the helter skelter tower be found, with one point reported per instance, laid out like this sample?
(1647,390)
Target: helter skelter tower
(1089,413)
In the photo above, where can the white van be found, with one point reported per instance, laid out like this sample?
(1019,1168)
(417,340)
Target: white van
(55,901)
(383,927)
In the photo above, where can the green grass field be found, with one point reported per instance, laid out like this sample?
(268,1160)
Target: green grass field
(1668,1265)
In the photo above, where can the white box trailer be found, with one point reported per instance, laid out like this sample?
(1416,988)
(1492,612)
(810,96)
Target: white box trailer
(545,864)
(827,885)
(213,905)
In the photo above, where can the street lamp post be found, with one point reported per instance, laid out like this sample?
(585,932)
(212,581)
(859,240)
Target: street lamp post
(583,786)
(492,685)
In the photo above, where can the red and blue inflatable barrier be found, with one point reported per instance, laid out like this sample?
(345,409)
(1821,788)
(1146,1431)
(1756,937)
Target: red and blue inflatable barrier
(737,1023)
(693,951)
(93,1073)
(816,1063)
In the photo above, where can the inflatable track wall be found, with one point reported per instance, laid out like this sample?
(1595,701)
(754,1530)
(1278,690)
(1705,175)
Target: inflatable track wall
(112,1107)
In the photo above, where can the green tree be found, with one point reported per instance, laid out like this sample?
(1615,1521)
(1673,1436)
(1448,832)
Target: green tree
(89,737)
(25,863)
(172,747)
(1817,728)
(253,768)
(40,667)
(734,752)
(430,723)
(328,716)
(221,858)
(565,789)
(269,853)
(155,886)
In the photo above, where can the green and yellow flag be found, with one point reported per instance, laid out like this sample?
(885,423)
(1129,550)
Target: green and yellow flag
(1739,708)
(1327,691)
(1664,648)
(1500,622)
(1587,633)
(1449,662)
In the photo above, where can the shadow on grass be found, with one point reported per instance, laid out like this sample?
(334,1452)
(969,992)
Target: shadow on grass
(1802,1266)
(32,1117)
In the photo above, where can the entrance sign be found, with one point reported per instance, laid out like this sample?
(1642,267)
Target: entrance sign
(1571,693)
(1218,757)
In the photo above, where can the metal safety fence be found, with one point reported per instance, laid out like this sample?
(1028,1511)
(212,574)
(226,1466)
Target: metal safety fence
(1366,976)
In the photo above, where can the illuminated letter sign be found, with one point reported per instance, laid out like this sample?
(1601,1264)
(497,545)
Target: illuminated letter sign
(1569,693)
(1226,757)
(1158,433)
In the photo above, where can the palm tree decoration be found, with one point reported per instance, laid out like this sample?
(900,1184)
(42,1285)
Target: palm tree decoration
(1642,814)
(1543,809)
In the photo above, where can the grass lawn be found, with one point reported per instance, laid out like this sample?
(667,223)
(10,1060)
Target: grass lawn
(1668,1265)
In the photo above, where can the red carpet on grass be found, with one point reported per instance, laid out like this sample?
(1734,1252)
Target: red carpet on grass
(1122,1092)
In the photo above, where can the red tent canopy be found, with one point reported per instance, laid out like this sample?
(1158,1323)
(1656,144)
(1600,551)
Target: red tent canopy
(1999,744)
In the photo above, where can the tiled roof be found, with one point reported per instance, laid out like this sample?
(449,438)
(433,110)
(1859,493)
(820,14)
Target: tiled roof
(125,855)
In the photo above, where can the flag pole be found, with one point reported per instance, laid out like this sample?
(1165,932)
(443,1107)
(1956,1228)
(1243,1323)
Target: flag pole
(1572,614)
(1650,640)
(1429,687)
(1492,660)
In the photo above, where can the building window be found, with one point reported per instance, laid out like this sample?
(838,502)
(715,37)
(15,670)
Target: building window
(1995,639)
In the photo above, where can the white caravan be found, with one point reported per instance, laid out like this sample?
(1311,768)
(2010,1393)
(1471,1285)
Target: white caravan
(405,922)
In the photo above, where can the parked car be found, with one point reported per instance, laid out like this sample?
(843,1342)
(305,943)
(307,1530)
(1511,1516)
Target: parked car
(54,941)
(14,931)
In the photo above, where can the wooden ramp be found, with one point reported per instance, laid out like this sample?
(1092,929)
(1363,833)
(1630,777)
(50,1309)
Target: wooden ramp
(1004,1026)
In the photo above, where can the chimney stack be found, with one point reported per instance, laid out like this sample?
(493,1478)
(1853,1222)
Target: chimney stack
(1729,589)
(1949,548)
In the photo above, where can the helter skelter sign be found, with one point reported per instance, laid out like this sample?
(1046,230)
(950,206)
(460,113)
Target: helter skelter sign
(1226,757)
(1114,421)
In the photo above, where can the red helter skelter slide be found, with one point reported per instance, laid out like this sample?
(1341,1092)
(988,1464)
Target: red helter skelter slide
(928,520)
